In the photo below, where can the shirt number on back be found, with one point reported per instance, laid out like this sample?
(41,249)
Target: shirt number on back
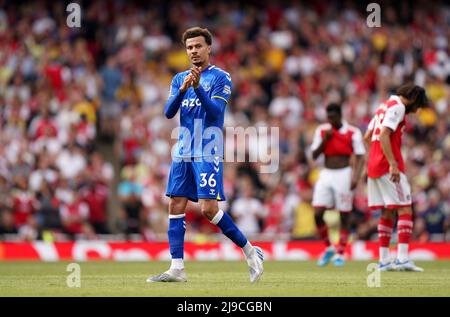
(377,127)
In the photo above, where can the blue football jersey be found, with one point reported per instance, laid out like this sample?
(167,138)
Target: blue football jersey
(202,130)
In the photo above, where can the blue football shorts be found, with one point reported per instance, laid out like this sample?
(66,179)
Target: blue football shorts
(196,179)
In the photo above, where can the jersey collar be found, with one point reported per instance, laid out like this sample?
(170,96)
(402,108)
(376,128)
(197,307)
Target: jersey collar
(208,68)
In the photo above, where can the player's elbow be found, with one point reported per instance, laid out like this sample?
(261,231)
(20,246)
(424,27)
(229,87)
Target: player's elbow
(168,115)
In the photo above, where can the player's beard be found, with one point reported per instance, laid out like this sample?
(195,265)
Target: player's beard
(199,61)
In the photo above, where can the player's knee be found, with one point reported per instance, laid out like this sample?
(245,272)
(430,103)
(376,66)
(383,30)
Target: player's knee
(177,205)
(208,212)
(209,209)
(173,209)
(388,214)
(404,210)
(318,215)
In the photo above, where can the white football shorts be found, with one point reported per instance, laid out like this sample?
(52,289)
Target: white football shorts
(383,193)
(332,189)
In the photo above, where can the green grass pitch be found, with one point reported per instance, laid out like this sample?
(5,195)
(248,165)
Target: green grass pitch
(220,279)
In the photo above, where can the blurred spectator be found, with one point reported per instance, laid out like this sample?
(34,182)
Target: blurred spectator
(286,105)
(43,126)
(434,220)
(130,191)
(7,224)
(29,231)
(44,172)
(274,222)
(112,79)
(23,202)
(363,222)
(303,223)
(71,161)
(74,214)
(95,194)
(48,214)
(248,211)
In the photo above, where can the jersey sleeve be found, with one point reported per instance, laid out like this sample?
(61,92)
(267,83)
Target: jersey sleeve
(317,139)
(222,87)
(174,86)
(393,116)
(357,143)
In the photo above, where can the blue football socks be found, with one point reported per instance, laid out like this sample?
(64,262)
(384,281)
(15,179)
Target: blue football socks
(176,231)
(228,227)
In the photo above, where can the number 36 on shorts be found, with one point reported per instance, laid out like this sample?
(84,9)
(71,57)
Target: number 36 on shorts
(205,180)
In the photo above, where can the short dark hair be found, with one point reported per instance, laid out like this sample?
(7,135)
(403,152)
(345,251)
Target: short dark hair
(197,31)
(334,108)
(415,94)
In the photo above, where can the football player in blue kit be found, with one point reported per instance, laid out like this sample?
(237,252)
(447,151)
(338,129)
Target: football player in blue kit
(200,94)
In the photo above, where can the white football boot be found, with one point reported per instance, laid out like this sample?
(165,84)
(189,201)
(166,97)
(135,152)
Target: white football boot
(255,264)
(407,266)
(172,275)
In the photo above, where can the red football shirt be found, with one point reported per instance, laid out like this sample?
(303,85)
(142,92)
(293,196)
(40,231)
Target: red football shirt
(391,114)
(345,141)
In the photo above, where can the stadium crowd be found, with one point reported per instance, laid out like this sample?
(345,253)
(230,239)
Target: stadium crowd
(66,94)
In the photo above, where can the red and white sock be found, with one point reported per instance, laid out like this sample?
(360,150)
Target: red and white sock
(404,228)
(384,238)
(343,239)
(323,234)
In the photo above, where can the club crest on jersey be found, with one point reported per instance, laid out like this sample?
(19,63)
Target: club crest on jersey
(206,86)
